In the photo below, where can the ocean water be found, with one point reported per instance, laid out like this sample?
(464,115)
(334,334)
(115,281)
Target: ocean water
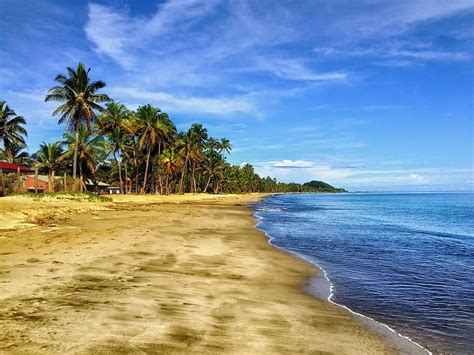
(405,260)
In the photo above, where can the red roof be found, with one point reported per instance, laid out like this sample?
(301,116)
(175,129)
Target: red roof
(14,167)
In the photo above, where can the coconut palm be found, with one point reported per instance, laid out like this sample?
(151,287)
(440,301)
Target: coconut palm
(12,132)
(80,100)
(172,163)
(225,146)
(49,157)
(131,151)
(118,141)
(154,127)
(212,144)
(16,154)
(168,135)
(197,136)
(115,115)
(90,150)
(213,166)
(191,144)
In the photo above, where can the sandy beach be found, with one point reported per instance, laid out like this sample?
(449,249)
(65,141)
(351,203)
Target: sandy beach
(153,274)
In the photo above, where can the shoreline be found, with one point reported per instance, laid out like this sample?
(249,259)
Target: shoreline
(188,274)
(321,287)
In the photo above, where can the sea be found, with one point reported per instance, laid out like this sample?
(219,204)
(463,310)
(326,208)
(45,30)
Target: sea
(404,260)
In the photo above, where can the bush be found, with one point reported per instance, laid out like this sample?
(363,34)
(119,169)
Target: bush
(72,196)
(11,184)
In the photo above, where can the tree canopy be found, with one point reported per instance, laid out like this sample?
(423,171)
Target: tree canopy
(141,151)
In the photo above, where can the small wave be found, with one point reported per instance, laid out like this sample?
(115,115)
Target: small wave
(271,209)
(377,325)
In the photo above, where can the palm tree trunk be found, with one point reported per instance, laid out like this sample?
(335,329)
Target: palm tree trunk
(152,187)
(120,173)
(9,155)
(74,159)
(194,178)
(81,179)
(218,186)
(135,160)
(160,182)
(192,181)
(146,169)
(126,176)
(158,167)
(207,184)
(50,181)
(181,181)
(137,173)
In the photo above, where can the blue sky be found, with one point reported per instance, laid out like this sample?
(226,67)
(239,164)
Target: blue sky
(368,95)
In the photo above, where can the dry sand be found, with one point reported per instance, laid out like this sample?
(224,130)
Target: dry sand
(147,274)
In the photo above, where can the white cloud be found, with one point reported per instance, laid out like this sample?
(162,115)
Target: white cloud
(111,32)
(292,69)
(169,47)
(174,103)
(354,176)
(32,95)
(222,46)
(388,18)
(118,35)
(418,179)
(395,50)
(175,13)
(283,164)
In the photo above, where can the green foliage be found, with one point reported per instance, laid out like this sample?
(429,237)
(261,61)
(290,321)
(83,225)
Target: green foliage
(321,186)
(140,151)
(79,99)
(15,153)
(71,196)
(12,132)
(11,183)
(49,156)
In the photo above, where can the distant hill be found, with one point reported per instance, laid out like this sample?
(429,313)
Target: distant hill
(320,186)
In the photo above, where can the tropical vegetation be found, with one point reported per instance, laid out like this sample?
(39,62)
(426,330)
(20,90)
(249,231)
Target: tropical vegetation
(140,151)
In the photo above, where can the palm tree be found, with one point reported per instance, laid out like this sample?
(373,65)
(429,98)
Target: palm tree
(167,136)
(49,156)
(16,154)
(118,141)
(197,136)
(154,127)
(80,100)
(212,144)
(115,115)
(131,148)
(12,131)
(191,144)
(172,163)
(225,146)
(89,149)
(213,166)
(114,123)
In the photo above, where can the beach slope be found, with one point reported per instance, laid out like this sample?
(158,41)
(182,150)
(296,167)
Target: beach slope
(156,275)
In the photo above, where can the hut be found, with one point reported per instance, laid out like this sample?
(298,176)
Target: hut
(11,168)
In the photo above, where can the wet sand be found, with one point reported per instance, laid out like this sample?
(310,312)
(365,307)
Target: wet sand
(188,274)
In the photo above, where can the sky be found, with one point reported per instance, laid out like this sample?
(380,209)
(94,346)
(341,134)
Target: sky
(367,95)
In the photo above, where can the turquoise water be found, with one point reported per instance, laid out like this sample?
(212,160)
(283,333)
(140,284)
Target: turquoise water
(406,260)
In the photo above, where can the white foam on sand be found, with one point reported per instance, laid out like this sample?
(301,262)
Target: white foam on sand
(322,287)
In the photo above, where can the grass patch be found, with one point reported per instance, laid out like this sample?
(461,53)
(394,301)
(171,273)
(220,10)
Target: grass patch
(71,196)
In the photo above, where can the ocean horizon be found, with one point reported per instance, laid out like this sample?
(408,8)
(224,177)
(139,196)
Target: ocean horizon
(402,259)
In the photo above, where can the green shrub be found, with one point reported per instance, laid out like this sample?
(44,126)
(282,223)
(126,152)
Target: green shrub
(72,196)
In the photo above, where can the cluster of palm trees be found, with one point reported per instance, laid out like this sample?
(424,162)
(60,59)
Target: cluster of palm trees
(146,151)
(139,150)
(12,134)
